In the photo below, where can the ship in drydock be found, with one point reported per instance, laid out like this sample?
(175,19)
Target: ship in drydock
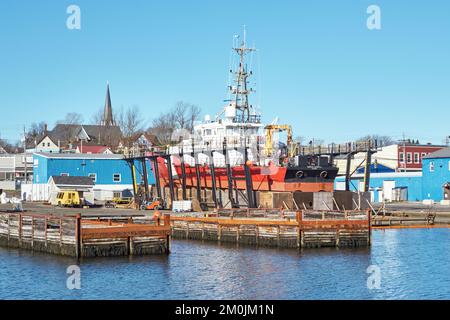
(235,151)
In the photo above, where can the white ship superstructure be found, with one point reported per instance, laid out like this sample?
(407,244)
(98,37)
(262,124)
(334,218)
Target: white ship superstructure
(237,128)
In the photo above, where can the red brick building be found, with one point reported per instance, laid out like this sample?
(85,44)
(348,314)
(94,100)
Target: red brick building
(410,155)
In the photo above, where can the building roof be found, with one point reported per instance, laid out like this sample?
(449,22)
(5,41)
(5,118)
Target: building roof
(443,153)
(92,149)
(153,139)
(97,133)
(379,168)
(72,181)
(382,175)
(89,156)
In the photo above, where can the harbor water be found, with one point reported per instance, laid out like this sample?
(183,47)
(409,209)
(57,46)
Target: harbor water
(405,263)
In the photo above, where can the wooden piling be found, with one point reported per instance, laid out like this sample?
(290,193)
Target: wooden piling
(20,229)
(77,235)
(318,229)
(73,236)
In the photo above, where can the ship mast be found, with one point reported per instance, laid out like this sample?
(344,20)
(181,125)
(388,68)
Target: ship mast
(241,90)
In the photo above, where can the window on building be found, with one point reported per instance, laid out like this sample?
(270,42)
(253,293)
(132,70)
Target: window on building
(117,177)
(431,166)
(64,174)
(48,144)
(43,144)
(409,157)
(93,176)
(416,157)
(117,194)
(402,157)
(424,154)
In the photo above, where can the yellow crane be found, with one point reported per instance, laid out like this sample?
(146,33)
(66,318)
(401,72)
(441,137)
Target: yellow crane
(270,129)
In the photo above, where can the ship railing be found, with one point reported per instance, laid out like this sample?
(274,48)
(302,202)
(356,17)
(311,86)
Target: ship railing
(254,118)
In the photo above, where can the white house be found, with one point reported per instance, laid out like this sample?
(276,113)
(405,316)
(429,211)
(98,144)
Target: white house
(83,185)
(47,145)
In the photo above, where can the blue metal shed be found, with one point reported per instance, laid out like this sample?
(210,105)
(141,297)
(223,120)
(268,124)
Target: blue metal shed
(104,169)
(436,174)
(384,185)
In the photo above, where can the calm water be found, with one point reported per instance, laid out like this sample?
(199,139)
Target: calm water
(414,264)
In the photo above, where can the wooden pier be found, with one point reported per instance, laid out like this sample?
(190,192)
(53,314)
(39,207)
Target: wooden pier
(302,229)
(82,237)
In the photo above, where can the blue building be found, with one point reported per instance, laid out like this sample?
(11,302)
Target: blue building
(110,172)
(389,186)
(376,168)
(436,175)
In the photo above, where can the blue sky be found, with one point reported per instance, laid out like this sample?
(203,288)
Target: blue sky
(320,68)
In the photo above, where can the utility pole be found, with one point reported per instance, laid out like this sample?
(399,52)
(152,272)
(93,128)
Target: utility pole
(367,170)
(347,171)
(25,156)
(404,153)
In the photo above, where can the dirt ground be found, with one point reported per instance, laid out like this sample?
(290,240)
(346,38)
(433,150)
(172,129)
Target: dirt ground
(40,208)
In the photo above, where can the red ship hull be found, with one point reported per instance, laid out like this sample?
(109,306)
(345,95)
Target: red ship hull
(270,178)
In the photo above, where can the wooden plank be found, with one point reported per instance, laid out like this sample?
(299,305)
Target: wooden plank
(124,232)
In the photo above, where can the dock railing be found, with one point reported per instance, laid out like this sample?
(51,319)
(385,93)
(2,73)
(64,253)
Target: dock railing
(303,229)
(76,236)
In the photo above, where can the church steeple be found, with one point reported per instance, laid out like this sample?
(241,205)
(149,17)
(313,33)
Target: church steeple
(108,115)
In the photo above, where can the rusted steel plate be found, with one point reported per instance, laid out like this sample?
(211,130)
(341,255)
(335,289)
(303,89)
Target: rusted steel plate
(319,223)
(337,224)
(41,215)
(236,221)
(123,232)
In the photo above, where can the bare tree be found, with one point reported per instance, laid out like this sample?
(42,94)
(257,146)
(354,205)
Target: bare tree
(186,115)
(7,147)
(97,117)
(35,132)
(130,123)
(299,140)
(72,118)
(194,115)
(182,116)
(380,139)
(3,146)
(163,127)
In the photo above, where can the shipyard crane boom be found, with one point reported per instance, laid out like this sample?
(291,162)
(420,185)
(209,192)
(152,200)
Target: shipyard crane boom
(270,129)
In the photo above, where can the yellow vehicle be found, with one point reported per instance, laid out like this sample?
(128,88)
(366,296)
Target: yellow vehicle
(120,203)
(69,198)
